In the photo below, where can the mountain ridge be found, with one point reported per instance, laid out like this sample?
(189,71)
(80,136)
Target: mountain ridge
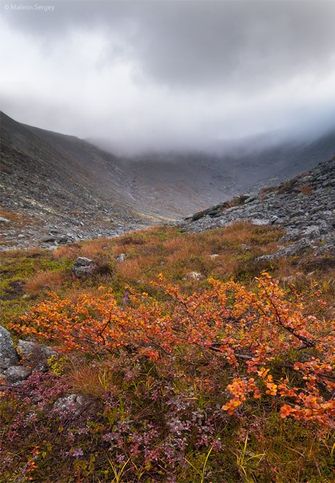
(65,185)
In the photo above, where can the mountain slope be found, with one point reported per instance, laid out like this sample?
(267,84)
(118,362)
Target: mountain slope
(304,206)
(174,184)
(82,173)
(59,183)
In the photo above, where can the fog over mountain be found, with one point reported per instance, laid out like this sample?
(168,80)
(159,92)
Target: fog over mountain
(170,75)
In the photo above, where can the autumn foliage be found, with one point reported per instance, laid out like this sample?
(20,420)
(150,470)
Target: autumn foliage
(227,377)
(261,338)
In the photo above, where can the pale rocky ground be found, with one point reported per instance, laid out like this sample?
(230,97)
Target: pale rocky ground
(303,206)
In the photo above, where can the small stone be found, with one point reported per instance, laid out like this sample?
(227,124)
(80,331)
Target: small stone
(121,258)
(72,403)
(194,276)
(4,220)
(27,349)
(260,221)
(49,239)
(17,373)
(84,267)
(312,230)
(83,262)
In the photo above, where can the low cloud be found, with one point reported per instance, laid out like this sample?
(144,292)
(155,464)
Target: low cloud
(169,75)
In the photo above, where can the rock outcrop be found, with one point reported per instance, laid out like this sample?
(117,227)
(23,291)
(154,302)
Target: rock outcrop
(17,363)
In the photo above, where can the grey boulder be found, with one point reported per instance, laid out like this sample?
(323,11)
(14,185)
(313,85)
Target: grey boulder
(72,403)
(8,354)
(17,373)
(84,267)
(35,354)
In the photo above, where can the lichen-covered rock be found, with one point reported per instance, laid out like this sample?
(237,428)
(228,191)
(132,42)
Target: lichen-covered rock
(36,355)
(72,404)
(260,221)
(84,267)
(8,354)
(194,276)
(17,373)
(121,258)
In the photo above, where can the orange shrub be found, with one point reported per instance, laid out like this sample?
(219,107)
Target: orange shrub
(273,349)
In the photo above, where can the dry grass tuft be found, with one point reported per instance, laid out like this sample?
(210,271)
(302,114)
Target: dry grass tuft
(94,248)
(71,252)
(130,270)
(91,380)
(47,280)
(306,189)
(10,215)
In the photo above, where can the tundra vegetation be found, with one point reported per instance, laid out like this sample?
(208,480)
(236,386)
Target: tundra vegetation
(183,358)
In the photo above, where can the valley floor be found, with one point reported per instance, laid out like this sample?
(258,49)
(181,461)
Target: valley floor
(171,356)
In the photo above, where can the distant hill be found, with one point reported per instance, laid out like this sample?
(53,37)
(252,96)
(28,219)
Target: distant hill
(67,184)
(177,184)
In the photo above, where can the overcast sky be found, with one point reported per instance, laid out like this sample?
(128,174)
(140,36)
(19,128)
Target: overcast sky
(168,74)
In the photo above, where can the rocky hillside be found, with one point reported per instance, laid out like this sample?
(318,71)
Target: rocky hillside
(56,188)
(303,206)
(175,184)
